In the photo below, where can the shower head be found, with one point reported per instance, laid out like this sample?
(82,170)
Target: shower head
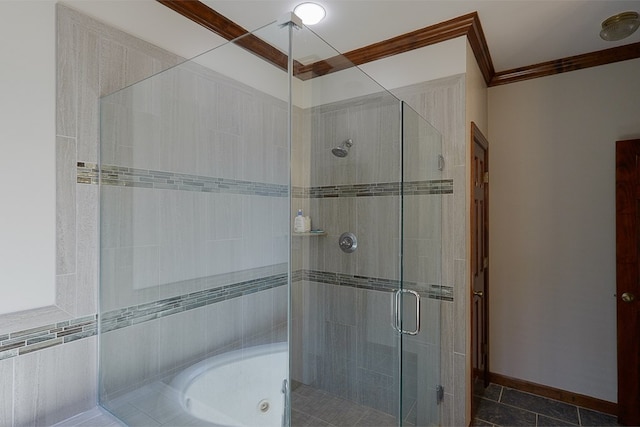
(343,149)
(340,151)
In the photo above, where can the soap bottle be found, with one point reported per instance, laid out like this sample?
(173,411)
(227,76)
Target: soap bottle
(298,223)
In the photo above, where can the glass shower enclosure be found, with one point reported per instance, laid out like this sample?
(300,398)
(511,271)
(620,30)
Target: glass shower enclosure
(213,310)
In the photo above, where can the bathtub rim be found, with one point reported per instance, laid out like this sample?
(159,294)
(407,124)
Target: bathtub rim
(182,381)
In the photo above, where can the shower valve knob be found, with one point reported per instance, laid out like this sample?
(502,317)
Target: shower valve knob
(348,242)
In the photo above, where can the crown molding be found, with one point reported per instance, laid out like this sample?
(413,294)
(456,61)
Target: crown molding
(203,15)
(563,65)
(466,25)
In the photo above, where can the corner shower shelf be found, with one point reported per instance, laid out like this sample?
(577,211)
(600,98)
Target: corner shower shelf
(316,233)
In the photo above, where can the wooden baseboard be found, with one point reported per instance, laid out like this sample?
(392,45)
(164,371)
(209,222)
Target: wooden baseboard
(556,394)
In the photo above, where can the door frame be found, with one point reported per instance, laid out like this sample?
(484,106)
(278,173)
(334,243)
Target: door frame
(477,137)
(627,279)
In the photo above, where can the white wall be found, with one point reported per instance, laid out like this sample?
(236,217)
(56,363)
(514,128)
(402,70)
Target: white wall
(27,160)
(552,225)
(420,65)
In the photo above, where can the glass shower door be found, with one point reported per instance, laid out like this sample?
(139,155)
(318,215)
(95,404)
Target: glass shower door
(195,243)
(376,245)
(347,179)
(422,293)
(203,168)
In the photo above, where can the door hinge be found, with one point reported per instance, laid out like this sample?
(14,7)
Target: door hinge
(486,178)
(439,394)
(485,263)
(286,421)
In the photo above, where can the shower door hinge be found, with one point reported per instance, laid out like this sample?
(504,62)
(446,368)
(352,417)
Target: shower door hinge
(439,394)
(440,162)
(286,419)
(486,178)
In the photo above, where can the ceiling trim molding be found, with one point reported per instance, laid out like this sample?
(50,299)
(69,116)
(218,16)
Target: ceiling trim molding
(563,65)
(203,15)
(466,25)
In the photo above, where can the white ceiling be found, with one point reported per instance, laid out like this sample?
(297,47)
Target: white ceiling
(518,32)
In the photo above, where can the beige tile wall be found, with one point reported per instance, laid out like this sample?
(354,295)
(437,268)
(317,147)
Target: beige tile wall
(190,120)
(56,383)
(6,391)
(143,353)
(373,123)
(95,60)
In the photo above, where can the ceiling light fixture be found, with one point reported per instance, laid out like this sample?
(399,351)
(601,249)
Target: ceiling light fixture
(620,26)
(310,13)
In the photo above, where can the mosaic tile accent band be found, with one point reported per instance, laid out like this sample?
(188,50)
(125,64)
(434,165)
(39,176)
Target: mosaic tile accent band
(23,342)
(375,284)
(30,340)
(412,188)
(124,317)
(88,173)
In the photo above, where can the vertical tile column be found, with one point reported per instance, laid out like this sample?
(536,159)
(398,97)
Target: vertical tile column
(66,224)
(66,158)
(54,384)
(6,392)
(92,60)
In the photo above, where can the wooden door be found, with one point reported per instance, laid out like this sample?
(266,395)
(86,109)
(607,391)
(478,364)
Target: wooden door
(627,279)
(480,256)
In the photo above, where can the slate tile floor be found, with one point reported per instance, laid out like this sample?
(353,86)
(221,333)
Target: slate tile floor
(502,406)
(313,407)
(153,405)
(495,406)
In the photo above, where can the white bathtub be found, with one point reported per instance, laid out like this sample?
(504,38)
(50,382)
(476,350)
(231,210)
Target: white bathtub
(238,388)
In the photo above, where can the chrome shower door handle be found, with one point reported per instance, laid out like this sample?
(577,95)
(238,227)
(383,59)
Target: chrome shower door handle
(398,311)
